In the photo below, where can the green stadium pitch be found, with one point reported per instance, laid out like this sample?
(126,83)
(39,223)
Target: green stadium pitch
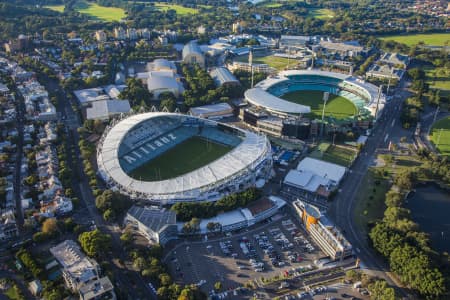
(185,157)
(337,107)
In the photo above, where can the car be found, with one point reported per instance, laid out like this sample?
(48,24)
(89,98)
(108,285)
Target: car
(344,295)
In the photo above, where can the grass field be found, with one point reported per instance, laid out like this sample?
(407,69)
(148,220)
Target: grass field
(440,136)
(321,13)
(338,107)
(278,63)
(58,8)
(335,154)
(438,78)
(432,39)
(370,200)
(180,10)
(181,159)
(95,11)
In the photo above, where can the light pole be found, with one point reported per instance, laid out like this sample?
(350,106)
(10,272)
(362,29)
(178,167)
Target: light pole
(325,99)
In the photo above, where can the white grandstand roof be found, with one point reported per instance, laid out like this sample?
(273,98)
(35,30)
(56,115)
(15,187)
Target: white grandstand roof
(242,157)
(259,97)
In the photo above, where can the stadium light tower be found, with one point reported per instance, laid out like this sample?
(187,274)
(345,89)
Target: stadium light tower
(326,95)
(250,62)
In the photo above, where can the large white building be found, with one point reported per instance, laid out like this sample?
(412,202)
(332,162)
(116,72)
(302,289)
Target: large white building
(315,176)
(135,140)
(192,54)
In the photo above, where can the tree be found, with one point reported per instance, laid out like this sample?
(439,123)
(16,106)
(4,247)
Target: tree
(94,242)
(50,226)
(217,286)
(379,290)
(109,215)
(165,279)
(393,199)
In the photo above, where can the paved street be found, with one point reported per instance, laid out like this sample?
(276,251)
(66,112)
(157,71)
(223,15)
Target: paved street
(341,209)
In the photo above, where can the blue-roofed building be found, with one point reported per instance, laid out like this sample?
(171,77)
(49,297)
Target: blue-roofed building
(192,54)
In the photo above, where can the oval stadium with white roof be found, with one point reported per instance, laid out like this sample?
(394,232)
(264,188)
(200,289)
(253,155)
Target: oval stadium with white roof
(268,93)
(167,158)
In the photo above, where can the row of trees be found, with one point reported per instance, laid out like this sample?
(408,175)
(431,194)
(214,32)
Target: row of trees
(406,249)
(112,204)
(187,211)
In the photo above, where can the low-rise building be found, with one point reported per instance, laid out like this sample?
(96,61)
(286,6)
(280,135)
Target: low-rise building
(82,274)
(100,36)
(212,111)
(8,226)
(157,225)
(315,177)
(105,109)
(222,76)
(323,231)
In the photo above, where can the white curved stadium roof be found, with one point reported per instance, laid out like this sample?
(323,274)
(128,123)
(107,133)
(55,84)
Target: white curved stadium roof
(242,157)
(259,96)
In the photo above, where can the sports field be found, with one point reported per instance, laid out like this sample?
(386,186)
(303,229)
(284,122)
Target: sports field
(181,159)
(334,154)
(440,136)
(431,39)
(95,11)
(279,63)
(180,10)
(337,106)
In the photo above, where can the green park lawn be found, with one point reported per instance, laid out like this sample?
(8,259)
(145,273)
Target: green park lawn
(279,63)
(181,159)
(180,10)
(58,8)
(431,39)
(321,13)
(438,78)
(440,136)
(369,205)
(337,106)
(95,11)
(334,154)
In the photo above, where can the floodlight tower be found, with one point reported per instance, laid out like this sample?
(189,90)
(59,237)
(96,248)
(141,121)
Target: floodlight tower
(250,62)
(326,95)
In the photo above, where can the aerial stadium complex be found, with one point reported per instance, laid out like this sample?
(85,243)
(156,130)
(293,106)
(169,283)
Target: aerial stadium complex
(167,158)
(281,95)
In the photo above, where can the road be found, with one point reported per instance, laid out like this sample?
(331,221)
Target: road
(126,278)
(20,107)
(341,211)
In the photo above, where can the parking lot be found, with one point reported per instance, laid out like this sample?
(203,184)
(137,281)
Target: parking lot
(274,248)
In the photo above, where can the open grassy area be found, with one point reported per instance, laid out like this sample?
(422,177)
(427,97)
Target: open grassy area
(370,200)
(180,10)
(337,106)
(321,13)
(101,13)
(279,63)
(181,159)
(440,135)
(431,39)
(94,11)
(438,78)
(58,8)
(335,154)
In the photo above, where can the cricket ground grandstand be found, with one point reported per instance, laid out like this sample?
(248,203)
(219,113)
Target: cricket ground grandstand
(268,94)
(167,158)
